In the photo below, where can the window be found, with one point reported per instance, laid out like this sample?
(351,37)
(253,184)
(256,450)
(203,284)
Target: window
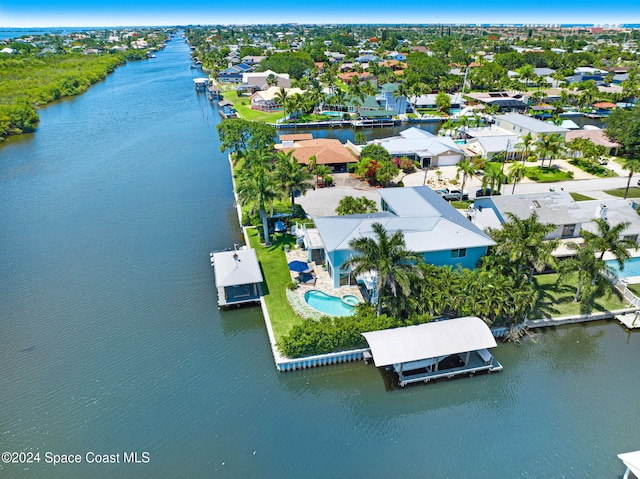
(633,238)
(459,253)
(568,231)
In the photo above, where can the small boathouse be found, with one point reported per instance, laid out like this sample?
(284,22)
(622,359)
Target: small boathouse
(238,277)
(632,461)
(440,349)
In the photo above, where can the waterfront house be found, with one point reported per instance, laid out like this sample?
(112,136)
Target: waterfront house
(265,100)
(489,146)
(428,102)
(504,101)
(558,208)
(327,151)
(388,99)
(258,80)
(238,276)
(522,125)
(424,147)
(430,225)
(234,73)
(597,137)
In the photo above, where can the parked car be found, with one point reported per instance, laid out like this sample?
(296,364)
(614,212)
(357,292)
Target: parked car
(486,192)
(453,194)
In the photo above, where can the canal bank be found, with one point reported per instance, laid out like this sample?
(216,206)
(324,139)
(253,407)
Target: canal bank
(112,339)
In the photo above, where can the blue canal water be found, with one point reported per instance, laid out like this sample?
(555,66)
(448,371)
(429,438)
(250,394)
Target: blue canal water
(111,341)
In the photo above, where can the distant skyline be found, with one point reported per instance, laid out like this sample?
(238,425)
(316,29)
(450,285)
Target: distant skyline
(93,13)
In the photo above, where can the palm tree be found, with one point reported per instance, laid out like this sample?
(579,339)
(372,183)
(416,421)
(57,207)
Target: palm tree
(281,99)
(292,176)
(521,242)
(387,256)
(493,178)
(549,146)
(517,171)
(467,168)
(353,206)
(257,186)
(525,146)
(633,166)
(609,238)
(589,268)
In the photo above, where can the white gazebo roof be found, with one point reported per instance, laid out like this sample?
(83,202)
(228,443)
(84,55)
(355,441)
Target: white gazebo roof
(429,340)
(234,268)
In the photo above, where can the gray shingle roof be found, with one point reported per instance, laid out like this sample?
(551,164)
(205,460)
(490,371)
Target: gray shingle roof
(233,268)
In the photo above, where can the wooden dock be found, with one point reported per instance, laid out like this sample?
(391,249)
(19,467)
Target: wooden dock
(630,320)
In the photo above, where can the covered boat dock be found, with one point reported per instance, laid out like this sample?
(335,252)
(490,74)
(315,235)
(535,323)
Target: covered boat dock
(440,349)
(632,461)
(238,276)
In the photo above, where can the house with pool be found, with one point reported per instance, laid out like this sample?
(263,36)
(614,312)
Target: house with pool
(569,217)
(431,227)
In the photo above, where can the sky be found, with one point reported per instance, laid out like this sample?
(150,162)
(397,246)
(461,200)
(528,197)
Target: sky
(102,13)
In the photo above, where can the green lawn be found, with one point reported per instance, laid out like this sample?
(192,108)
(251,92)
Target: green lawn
(635,289)
(276,279)
(633,192)
(579,197)
(555,300)
(547,174)
(242,106)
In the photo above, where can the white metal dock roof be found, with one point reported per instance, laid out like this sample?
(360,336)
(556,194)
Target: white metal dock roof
(632,461)
(234,268)
(429,340)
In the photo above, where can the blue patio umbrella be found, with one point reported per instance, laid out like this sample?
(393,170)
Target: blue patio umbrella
(279,227)
(299,267)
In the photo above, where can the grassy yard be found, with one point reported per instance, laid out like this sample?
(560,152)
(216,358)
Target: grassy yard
(276,279)
(557,300)
(242,106)
(547,174)
(619,192)
(579,197)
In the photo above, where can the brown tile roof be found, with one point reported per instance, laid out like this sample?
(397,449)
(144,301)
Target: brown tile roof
(349,75)
(327,151)
(296,137)
(605,104)
(598,137)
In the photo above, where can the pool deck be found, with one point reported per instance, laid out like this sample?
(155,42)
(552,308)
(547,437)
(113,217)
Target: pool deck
(323,281)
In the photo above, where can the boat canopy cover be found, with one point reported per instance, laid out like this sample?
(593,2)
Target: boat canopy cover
(632,461)
(235,268)
(429,340)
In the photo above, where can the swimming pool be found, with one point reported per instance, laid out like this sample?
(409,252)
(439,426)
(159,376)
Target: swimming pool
(331,305)
(631,267)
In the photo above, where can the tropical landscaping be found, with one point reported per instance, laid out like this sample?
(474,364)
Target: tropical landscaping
(518,279)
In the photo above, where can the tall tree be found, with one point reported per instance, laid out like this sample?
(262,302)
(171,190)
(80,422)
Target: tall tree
(387,256)
(292,176)
(609,238)
(632,165)
(467,169)
(549,146)
(588,267)
(516,173)
(522,243)
(525,145)
(281,98)
(257,186)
